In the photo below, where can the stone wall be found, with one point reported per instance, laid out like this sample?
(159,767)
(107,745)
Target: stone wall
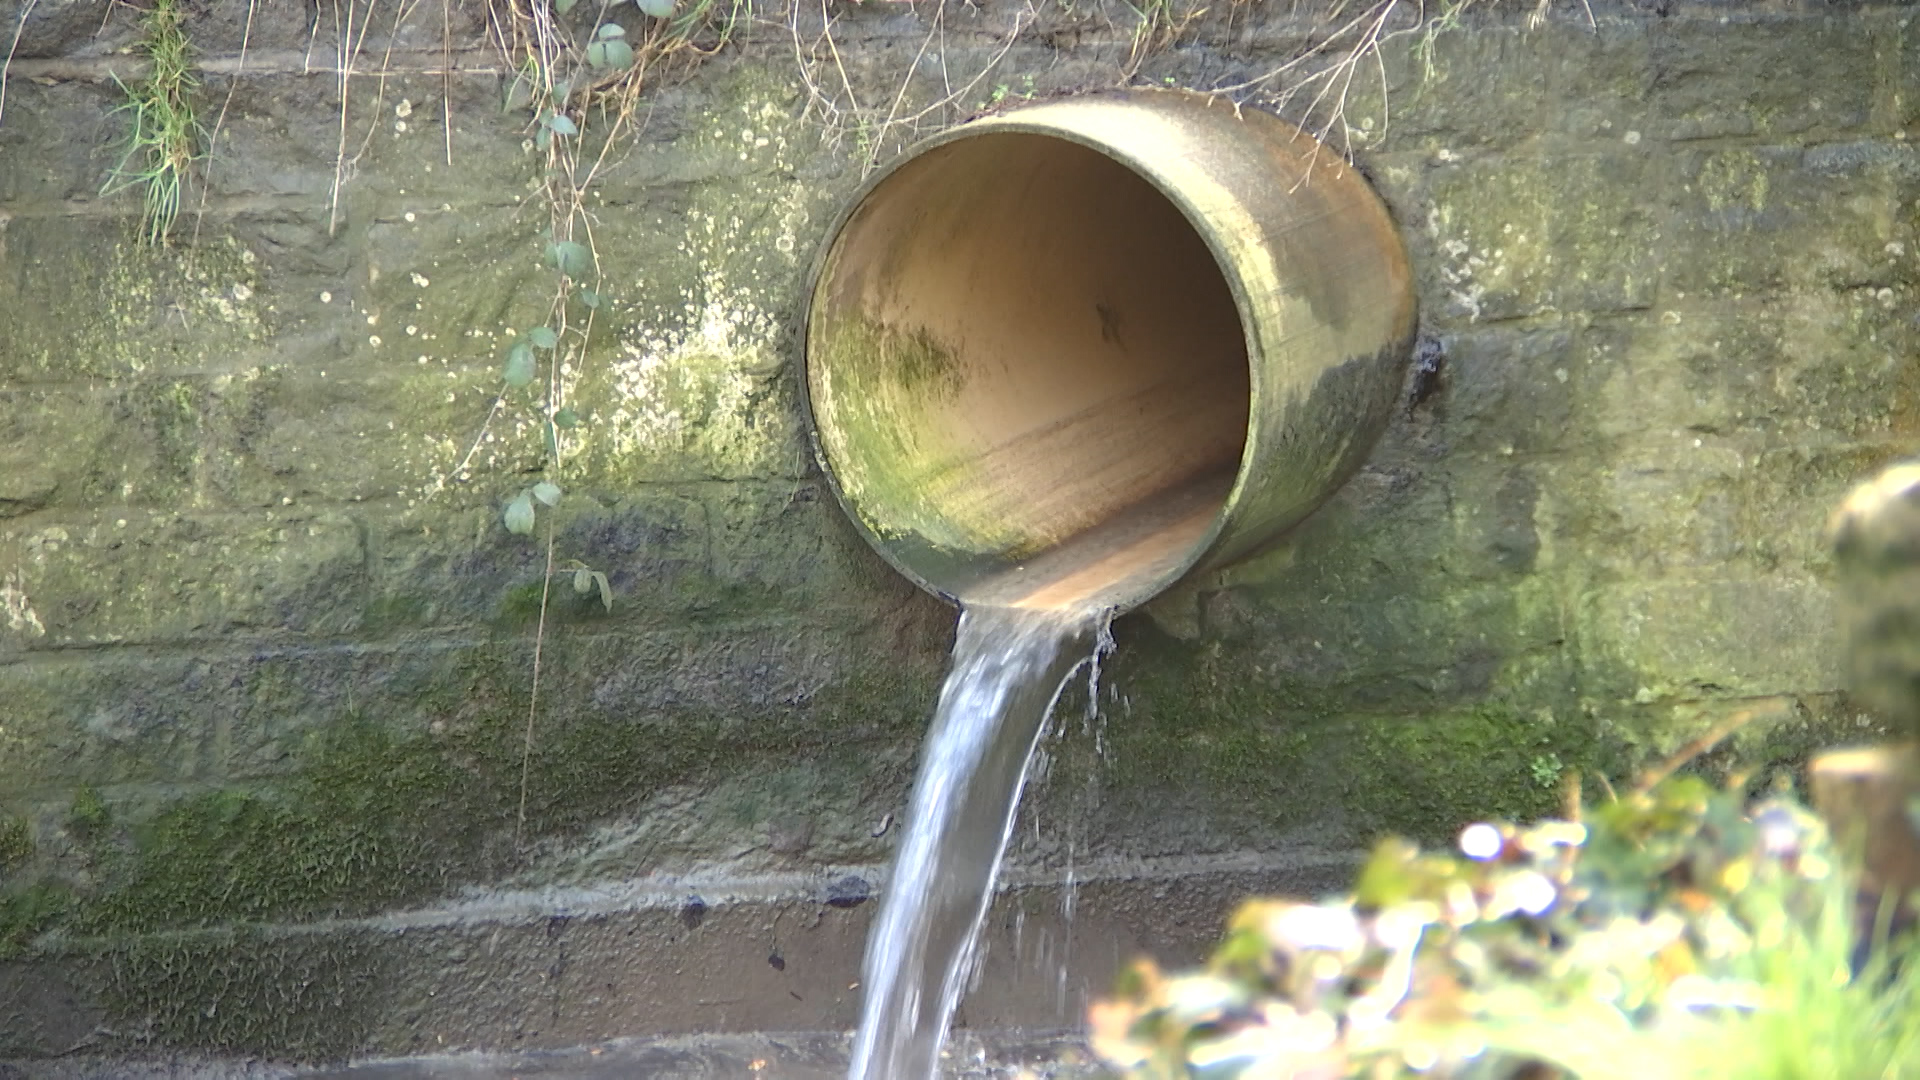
(270,775)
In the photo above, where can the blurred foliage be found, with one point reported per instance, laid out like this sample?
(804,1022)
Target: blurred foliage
(1676,932)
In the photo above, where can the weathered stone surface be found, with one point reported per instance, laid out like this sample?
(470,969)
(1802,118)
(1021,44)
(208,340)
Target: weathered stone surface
(1728,636)
(153,576)
(1816,368)
(1667,265)
(61,135)
(1754,220)
(782,545)
(1497,234)
(127,310)
(1763,75)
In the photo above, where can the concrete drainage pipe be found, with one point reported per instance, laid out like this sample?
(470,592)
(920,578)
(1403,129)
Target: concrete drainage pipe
(1067,354)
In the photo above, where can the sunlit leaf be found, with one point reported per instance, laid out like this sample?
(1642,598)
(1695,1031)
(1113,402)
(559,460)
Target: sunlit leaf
(547,492)
(583,581)
(659,9)
(561,7)
(543,337)
(610,30)
(561,124)
(519,516)
(519,371)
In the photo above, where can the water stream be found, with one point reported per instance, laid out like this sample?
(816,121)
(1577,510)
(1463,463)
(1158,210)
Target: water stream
(1008,667)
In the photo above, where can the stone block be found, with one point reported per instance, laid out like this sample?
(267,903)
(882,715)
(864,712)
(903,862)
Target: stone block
(52,139)
(65,27)
(707,399)
(135,443)
(783,545)
(1513,236)
(125,309)
(1740,636)
(88,721)
(1790,493)
(388,151)
(1771,76)
(445,566)
(392,429)
(737,122)
(153,576)
(1562,77)
(1815,367)
(1645,509)
(1386,648)
(1756,220)
(1508,392)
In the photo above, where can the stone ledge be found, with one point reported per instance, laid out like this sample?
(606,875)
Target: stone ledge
(549,970)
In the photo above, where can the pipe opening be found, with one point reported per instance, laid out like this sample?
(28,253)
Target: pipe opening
(1062,356)
(1024,345)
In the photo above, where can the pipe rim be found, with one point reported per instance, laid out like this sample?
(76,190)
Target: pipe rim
(1013,123)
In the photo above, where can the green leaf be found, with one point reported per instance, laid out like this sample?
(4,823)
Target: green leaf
(659,9)
(610,30)
(570,258)
(582,581)
(561,124)
(519,515)
(566,419)
(588,297)
(561,7)
(543,337)
(561,91)
(553,440)
(543,138)
(520,369)
(547,492)
(606,590)
(610,54)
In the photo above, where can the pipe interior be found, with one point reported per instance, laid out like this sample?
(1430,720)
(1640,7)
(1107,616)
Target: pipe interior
(1024,361)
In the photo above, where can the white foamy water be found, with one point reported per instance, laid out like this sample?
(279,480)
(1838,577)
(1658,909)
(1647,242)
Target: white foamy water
(1008,667)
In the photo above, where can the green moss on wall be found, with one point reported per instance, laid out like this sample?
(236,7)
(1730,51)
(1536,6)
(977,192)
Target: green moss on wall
(28,911)
(299,998)
(16,841)
(88,817)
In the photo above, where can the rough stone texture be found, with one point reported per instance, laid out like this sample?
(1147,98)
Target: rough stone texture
(266,650)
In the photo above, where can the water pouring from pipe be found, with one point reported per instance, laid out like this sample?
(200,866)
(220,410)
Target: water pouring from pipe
(1057,360)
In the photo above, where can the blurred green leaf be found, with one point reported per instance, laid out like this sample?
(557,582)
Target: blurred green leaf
(520,366)
(570,257)
(519,515)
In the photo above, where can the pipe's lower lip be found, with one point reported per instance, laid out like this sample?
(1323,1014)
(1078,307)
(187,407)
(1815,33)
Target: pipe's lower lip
(1041,348)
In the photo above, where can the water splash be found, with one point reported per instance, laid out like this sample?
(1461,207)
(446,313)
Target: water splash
(1009,666)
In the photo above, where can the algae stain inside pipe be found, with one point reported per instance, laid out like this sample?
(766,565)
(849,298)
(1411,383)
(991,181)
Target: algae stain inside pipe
(1063,356)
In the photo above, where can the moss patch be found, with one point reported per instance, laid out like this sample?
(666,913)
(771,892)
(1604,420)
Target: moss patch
(16,841)
(28,911)
(300,998)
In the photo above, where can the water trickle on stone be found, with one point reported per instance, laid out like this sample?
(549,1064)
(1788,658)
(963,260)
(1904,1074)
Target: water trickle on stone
(1009,665)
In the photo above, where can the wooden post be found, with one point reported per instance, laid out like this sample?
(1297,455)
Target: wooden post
(1869,797)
